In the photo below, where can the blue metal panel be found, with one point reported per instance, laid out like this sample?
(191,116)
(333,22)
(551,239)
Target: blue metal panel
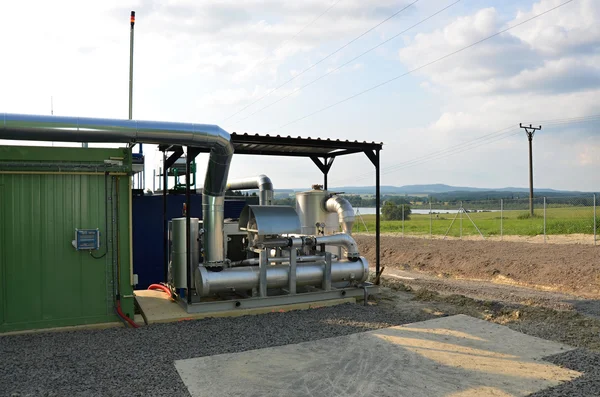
(148,244)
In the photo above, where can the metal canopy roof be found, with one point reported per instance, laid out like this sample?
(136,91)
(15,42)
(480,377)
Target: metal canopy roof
(289,146)
(321,151)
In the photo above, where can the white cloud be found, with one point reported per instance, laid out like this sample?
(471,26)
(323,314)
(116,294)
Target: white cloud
(547,69)
(589,155)
(514,75)
(570,29)
(202,61)
(530,58)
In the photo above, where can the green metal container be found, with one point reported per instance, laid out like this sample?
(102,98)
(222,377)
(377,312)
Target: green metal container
(46,193)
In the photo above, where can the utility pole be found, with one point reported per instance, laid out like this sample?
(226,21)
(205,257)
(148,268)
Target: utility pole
(132,20)
(141,175)
(530,131)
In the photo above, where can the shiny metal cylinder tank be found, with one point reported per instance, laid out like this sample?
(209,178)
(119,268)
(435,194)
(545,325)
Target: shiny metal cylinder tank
(179,249)
(310,206)
(247,277)
(213,210)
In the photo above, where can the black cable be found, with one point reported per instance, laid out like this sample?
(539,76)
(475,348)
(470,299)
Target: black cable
(98,257)
(420,67)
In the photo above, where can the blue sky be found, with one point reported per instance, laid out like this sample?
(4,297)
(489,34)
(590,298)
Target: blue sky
(200,62)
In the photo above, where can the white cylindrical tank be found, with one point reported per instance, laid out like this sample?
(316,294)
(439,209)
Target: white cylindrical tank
(179,249)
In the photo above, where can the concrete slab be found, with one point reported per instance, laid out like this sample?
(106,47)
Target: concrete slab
(157,307)
(456,356)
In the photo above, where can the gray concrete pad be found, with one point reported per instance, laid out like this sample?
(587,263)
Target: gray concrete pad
(456,356)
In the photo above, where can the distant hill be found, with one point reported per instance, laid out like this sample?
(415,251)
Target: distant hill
(436,188)
(443,192)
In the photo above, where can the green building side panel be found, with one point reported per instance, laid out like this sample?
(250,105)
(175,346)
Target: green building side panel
(45,282)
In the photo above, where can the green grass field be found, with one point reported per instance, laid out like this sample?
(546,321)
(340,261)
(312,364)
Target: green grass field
(515,222)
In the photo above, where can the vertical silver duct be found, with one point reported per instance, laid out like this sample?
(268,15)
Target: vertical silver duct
(79,129)
(345,212)
(261,182)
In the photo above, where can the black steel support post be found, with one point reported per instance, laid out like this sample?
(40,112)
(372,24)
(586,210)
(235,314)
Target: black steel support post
(374,157)
(377,216)
(165,231)
(167,163)
(324,166)
(188,247)
(189,158)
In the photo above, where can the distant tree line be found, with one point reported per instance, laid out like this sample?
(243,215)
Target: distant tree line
(355,200)
(471,200)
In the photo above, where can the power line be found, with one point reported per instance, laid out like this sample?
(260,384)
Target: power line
(434,155)
(446,155)
(469,145)
(321,60)
(347,63)
(473,143)
(284,43)
(498,138)
(582,119)
(489,138)
(421,67)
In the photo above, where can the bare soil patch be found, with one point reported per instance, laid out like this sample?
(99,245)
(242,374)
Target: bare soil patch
(570,268)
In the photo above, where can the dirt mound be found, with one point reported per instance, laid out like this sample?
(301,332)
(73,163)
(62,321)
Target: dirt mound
(568,268)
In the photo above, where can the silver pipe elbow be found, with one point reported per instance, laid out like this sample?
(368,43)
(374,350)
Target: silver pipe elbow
(344,210)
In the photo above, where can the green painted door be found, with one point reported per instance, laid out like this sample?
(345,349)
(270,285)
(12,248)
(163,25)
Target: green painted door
(46,282)
(2,250)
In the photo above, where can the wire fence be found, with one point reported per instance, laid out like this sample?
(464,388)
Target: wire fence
(543,219)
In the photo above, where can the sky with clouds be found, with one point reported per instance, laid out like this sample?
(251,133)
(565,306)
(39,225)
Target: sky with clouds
(247,65)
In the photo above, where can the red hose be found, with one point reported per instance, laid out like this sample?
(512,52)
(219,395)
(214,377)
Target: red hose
(160,287)
(124,317)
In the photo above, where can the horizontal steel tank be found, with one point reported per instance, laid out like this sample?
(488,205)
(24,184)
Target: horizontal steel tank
(314,219)
(179,249)
(247,277)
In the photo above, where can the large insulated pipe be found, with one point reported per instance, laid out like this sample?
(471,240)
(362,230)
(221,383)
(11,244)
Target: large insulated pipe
(80,129)
(247,277)
(260,182)
(344,210)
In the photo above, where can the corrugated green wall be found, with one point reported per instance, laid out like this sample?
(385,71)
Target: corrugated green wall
(44,281)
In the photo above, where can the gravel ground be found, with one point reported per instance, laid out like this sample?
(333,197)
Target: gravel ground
(579,360)
(121,361)
(139,362)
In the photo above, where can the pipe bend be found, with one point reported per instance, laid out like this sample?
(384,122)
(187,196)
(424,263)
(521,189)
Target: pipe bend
(344,210)
(261,182)
(340,239)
